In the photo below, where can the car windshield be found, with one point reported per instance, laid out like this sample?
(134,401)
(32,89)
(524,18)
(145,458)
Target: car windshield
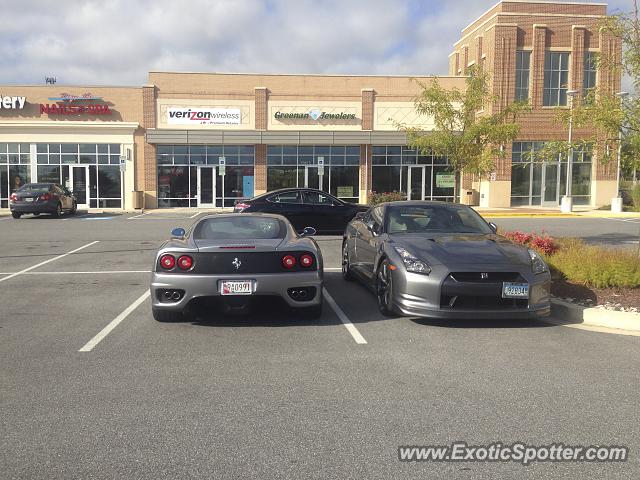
(240,227)
(435,219)
(34,187)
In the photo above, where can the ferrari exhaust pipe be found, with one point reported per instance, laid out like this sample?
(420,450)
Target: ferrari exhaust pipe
(294,294)
(167,294)
(302,293)
(175,296)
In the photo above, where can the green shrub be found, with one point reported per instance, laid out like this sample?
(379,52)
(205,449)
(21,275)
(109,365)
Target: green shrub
(375,198)
(595,266)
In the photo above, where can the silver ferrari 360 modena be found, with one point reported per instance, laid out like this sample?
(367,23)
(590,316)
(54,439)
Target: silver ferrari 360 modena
(233,260)
(440,260)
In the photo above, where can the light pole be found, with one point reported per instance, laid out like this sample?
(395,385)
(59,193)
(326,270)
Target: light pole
(567,202)
(616,202)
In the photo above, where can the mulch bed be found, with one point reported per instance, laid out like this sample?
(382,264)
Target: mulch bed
(626,297)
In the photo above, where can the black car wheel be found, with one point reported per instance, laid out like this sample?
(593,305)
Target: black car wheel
(347,274)
(58,211)
(16,214)
(384,289)
(74,209)
(167,316)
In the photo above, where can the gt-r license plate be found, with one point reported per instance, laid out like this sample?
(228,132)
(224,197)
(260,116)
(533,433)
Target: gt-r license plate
(515,290)
(235,287)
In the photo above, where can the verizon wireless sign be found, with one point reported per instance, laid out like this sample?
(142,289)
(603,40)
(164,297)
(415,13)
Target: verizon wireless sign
(203,116)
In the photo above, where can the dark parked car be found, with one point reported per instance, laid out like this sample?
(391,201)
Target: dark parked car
(305,207)
(40,198)
(439,260)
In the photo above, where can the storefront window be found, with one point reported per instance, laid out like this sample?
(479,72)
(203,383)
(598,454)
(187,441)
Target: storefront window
(186,179)
(297,166)
(393,167)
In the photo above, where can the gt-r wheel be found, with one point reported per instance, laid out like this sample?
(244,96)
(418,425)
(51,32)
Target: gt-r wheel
(167,316)
(347,274)
(384,289)
(58,212)
(16,214)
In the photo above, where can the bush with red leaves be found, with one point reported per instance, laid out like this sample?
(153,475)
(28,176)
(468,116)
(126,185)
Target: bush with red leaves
(542,243)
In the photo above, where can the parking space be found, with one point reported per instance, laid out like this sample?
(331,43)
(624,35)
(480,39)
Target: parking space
(270,393)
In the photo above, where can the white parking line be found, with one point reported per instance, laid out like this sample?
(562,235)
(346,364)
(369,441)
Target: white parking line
(47,261)
(344,319)
(114,323)
(194,215)
(626,220)
(332,269)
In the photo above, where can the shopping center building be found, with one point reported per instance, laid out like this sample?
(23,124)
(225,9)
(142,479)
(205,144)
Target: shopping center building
(208,140)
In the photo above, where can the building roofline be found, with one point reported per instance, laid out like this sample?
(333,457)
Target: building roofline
(65,85)
(338,75)
(543,2)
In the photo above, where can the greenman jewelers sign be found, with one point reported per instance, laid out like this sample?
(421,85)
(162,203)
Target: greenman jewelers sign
(445,180)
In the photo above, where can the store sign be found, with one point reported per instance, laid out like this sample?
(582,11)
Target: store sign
(445,180)
(12,103)
(315,115)
(68,104)
(203,116)
(345,191)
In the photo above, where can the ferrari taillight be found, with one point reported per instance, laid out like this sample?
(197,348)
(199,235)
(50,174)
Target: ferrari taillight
(306,260)
(241,206)
(46,197)
(14,197)
(288,262)
(167,261)
(185,262)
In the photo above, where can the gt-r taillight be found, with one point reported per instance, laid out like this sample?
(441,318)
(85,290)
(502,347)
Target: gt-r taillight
(167,261)
(185,262)
(241,206)
(306,260)
(288,262)
(46,197)
(14,197)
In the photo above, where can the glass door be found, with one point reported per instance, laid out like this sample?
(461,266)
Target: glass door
(415,183)
(550,188)
(206,186)
(311,177)
(80,184)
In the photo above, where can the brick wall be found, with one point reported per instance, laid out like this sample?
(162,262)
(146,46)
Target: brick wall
(147,172)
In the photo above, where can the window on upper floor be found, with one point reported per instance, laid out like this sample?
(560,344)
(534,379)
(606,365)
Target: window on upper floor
(590,71)
(523,61)
(556,79)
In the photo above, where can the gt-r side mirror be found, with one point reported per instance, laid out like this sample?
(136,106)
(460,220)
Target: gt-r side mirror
(308,231)
(178,232)
(494,227)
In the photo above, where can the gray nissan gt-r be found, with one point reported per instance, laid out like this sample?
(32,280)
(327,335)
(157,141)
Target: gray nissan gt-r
(440,260)
(232,259)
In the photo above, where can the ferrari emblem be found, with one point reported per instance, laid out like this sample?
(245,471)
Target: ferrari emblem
(236,263)
(484,275)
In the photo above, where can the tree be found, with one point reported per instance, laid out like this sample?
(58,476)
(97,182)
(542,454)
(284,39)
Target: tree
(470,138)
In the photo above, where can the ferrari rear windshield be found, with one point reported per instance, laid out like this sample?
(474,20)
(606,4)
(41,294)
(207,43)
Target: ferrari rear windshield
(239,227)
(435,219)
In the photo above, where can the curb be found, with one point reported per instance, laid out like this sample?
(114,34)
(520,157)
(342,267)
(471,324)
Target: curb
(597,317)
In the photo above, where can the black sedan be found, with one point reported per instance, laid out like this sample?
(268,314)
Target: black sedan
(438,260)
(305,207)
(37,198)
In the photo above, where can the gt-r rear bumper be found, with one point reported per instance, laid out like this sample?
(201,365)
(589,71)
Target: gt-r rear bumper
(197,286)
(422,296)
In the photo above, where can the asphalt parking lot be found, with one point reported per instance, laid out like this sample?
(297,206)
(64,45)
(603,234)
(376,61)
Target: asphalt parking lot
(93,387)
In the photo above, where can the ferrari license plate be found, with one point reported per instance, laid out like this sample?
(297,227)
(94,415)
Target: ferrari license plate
(515,290)
(235,287)
(28,199)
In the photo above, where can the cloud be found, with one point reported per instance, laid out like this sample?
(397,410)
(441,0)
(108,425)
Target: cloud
(116,42)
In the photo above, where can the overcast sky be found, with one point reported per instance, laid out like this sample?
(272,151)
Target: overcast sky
(117,42)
